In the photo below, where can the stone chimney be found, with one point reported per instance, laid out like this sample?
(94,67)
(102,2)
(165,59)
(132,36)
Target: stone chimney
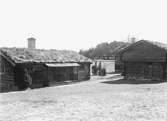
(31,43)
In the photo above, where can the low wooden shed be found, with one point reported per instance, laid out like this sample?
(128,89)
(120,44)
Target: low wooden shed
(144,60)
(23,67)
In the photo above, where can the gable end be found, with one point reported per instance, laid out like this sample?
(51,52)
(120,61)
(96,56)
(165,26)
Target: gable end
(7,58)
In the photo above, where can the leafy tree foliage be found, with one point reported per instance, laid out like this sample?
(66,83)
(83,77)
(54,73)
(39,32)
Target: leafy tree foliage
(104,49)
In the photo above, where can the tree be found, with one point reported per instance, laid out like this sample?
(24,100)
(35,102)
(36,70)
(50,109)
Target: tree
(104,49)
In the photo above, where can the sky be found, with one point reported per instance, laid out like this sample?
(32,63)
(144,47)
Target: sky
(80,24)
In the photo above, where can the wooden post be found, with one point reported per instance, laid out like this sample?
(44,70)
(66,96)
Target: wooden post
(124,69)
(77,73)
(47,77)
(163,66)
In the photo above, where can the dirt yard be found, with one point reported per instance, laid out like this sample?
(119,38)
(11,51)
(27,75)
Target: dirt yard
(98,100)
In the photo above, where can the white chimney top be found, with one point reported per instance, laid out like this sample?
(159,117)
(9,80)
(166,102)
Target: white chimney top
(31,43)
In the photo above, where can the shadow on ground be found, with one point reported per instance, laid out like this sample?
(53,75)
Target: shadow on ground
(125,81)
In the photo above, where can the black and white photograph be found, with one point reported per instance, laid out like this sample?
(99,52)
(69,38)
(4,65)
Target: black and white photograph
(83,60)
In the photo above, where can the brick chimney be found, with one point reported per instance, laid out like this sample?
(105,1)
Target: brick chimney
(31,43)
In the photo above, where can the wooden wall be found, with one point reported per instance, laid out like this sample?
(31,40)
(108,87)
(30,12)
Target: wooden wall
(144,52)
(39,76)
(118,63)
(144,61)
(13,78)
(59,74)
(47,76)
(7,82)
(84,71)
(37,73)
(144,70)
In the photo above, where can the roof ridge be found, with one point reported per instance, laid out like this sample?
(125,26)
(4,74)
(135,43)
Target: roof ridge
(158,44)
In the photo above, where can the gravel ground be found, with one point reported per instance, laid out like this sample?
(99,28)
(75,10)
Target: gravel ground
(87,101)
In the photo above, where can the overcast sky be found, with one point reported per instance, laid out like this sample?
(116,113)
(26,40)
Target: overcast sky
(80,24)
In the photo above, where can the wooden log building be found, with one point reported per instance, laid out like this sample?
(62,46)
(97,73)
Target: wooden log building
(144,60)
(29,67)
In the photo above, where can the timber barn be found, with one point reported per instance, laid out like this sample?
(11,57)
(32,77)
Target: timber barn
(144,60)
(29,67)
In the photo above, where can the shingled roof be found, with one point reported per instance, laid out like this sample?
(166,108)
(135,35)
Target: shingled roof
(24,55)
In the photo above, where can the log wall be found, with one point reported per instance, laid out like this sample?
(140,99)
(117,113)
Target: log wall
(144,70)
(59,74)
(36,72)
(7,82)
